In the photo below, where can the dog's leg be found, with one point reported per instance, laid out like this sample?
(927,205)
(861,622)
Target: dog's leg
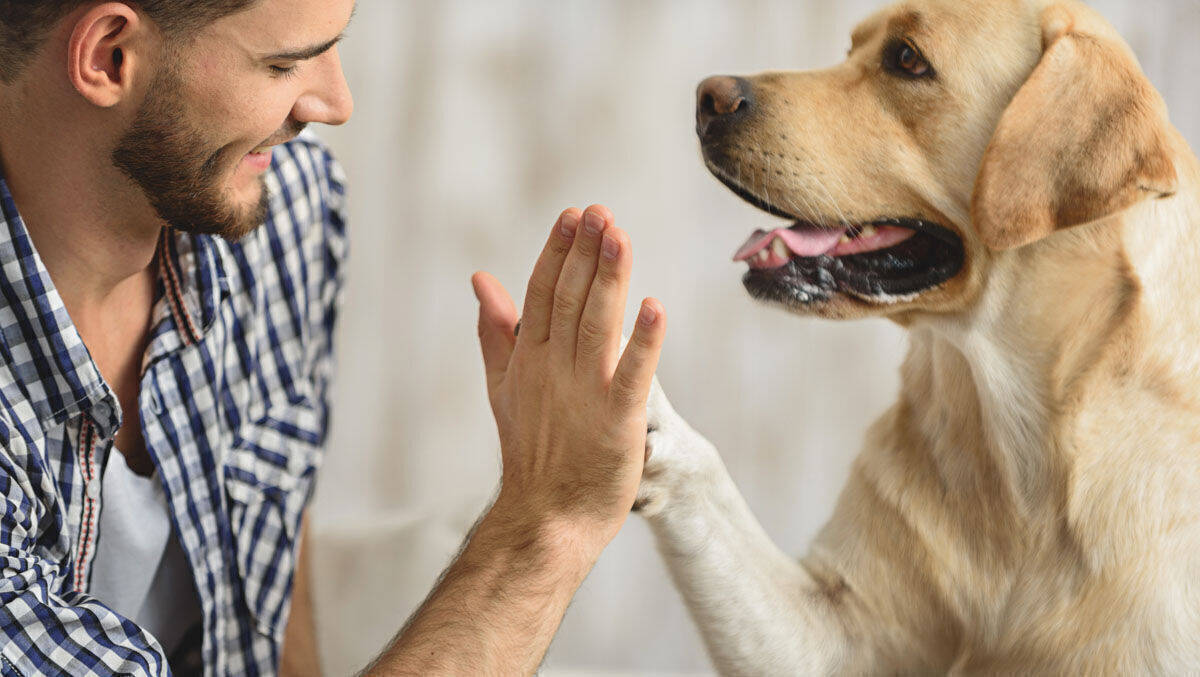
(759,611)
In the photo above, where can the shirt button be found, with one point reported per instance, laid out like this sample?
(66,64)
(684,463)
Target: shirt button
(93,488)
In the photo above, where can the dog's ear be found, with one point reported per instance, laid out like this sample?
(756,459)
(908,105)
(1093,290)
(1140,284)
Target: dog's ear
(1084,138)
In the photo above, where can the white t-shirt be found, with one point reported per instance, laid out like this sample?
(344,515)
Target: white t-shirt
(140,570)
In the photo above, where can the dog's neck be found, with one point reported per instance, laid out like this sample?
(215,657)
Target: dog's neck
(995,392)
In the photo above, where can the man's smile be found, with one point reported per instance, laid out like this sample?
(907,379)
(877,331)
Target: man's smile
(259,159)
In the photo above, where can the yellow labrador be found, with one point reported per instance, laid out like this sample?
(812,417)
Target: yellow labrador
(1000,178)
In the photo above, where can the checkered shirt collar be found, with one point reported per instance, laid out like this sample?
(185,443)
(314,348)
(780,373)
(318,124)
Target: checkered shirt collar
(41,342)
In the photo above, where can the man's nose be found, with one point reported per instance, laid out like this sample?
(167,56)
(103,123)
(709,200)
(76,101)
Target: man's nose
(721,101)
(329,101)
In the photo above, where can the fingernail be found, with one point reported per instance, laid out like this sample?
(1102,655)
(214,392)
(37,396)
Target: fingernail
(592,223)
(648,315)
(610,248)
(567,225)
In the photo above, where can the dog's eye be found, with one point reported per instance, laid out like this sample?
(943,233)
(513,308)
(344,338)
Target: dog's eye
(903,59)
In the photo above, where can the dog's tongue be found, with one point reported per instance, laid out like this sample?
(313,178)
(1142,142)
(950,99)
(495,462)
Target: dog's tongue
(802,240)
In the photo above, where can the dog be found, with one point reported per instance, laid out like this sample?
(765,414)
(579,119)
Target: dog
(999,178)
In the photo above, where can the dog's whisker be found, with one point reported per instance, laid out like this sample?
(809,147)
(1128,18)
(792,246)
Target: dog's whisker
(767,178)
(804,193)
(831,201)
(833,205)
(814,214)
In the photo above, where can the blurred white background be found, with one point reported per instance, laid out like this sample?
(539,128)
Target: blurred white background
(477,122)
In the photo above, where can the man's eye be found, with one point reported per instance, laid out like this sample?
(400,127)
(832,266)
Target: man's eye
(903,59)
(283,71)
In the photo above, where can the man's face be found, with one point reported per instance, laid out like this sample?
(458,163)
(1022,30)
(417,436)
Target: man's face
(201,140)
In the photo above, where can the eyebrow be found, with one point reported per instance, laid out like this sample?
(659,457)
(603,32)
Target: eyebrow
(313,52)
(306,53)
(908,22)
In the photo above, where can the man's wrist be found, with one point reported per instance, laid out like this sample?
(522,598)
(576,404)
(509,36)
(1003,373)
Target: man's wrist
(498,605)
(556,544)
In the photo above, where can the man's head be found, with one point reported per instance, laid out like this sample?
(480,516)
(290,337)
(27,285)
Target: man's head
(25,24)
(184,98)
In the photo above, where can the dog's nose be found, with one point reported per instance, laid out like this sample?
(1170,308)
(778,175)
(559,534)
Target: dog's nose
(721,100)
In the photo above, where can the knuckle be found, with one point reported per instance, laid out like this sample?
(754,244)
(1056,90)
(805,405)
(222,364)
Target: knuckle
(565,302)
(587,246)
(559,247)
(608,273)
(540,290)
(635,349)
(592,333)
(642,341)
(624,390)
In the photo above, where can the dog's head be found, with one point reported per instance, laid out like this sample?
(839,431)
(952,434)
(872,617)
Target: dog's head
(955,130)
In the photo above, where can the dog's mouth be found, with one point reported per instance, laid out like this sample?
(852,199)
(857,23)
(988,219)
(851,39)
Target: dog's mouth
(883,261)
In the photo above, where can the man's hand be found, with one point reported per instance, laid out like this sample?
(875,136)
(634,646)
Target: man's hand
(570,407)
(572,416)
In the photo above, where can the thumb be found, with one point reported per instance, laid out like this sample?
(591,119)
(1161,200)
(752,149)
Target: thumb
(497,320)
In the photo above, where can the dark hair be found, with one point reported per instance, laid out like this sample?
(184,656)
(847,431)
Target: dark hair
(24,24)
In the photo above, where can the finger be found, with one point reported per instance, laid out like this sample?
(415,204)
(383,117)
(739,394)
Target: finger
(599,340)
(497,321)
(539,297)
(635,372)
(576,278)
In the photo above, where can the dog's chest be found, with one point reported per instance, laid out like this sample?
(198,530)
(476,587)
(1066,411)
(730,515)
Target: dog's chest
(1070,613)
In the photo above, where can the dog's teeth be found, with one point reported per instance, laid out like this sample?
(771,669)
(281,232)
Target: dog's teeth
(763,255)
(845,239)
(780,249)
(869,231)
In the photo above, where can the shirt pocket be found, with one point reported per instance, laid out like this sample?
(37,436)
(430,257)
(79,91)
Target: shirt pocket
(268,478)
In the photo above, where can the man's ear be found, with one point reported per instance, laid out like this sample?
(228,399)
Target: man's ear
(1084,138)
(99,55)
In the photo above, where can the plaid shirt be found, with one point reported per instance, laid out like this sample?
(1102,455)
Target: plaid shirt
(234,412)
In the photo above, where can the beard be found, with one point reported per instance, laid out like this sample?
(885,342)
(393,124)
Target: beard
(173,165)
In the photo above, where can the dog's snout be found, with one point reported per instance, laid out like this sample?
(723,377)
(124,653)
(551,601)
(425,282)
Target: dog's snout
(721,100)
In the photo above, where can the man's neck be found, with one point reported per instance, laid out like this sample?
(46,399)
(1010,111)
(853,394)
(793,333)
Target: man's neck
(93,228)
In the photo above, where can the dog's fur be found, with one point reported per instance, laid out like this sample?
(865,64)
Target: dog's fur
(1030,503)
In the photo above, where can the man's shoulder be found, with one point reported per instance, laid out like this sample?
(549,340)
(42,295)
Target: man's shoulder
(19,421)
(27,402)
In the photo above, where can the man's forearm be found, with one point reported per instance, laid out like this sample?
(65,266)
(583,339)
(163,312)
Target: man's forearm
(497,606)
(300,657)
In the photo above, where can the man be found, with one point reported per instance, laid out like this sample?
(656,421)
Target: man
(171,255)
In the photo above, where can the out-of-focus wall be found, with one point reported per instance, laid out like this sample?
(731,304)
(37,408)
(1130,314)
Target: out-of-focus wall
(477,122)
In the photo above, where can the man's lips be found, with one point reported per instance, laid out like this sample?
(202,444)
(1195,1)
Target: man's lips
(266,148)
(258,161)
(270,144)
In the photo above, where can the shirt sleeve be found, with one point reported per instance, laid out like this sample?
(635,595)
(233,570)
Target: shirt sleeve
(45,631)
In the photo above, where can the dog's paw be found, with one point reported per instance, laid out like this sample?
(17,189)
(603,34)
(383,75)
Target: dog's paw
(652,493)
(675,454)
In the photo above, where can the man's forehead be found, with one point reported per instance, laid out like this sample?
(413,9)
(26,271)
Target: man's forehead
(285,26)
